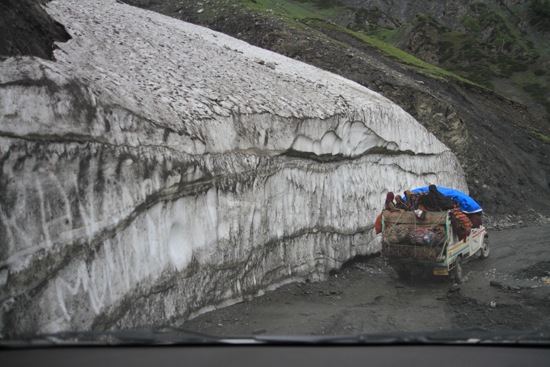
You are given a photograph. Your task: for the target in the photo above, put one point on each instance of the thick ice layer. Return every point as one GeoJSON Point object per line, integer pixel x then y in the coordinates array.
{"type": "Point", "coordinates": [157, 169]}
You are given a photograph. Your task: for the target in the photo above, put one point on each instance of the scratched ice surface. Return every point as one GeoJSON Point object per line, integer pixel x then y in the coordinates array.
{"type": "Point", "coordinates": [156, 169]}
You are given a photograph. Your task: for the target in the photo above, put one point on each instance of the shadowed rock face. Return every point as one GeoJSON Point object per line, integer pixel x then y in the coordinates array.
{"type": "Point", "coordinates": [27, 29]}
{"type": "Point", "coordinates": [157, 169]}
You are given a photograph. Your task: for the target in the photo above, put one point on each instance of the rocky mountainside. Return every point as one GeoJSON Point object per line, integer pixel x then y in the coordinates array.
{"type": "Point", "coordinates": [154, 169]}
{"type": "Point", "coordinates": [501, 144]}
{"type": "Point", "coordinates": [503, 45]}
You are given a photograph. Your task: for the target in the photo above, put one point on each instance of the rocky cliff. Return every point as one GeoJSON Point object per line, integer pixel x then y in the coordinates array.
{"type": "Point", "coordinates": [157, 169]}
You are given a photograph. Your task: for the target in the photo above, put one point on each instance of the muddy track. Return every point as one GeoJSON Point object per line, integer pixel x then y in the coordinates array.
{"type": "Point", "coordinates": [508, 291]}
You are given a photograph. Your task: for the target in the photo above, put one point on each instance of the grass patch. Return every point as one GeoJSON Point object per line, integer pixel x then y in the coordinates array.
{"type": "Point", "coordinates": [542, 137]}
{"type": "Point", "coordinates": [471, 24]}
{"type": "Point", "coordinates": [390, 52]}
{"type": "Point", "coordinates": [391, 36]}
{"type": "Point", "coordinates": [461, 56]}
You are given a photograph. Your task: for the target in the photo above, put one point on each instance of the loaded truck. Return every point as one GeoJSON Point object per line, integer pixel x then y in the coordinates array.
{"type": "Point", "coordinates": [411, 244]}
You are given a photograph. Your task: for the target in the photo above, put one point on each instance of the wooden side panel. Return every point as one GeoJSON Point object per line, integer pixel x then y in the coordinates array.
{"type": "Point", "coordinates": [410, 218]}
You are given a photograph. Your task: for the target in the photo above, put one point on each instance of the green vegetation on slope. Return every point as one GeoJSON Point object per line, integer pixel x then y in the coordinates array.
{"type": "Point", "coordinates": [316, 14]}
{"type": "Point", "coordinates": [390, 52]}
{"type": "Point", "coordinates": [540, 10]}
{"type": "Point", "coordinates": [492, 52]}
{"type": "Point", "coordinates": [491, 49]}
{"type": "Point", "coordinates": [299, 9]}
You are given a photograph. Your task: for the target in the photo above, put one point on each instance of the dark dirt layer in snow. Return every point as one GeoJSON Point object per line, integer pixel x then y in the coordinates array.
{"type": "Point", "coordinates": [507, 168]}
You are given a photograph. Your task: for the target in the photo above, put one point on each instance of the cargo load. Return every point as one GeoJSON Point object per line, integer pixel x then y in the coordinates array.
{"type": "Point", "coordinates": [433, 232]}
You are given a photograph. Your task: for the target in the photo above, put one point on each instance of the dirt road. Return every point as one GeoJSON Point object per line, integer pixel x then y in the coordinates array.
{"type": "Point", "coordinates": [507, 291]}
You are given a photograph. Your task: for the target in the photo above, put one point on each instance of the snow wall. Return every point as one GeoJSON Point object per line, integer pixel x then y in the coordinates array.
{"type": "Point", "coordinates": [158, 169]}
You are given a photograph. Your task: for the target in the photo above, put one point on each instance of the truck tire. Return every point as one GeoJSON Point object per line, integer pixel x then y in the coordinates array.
{"type": "Point", "coordinates": [456, 274]}
{"type": "Point", "coordinates": [485, 249]}
{"type": "Point", "coordinates": [403, 273]}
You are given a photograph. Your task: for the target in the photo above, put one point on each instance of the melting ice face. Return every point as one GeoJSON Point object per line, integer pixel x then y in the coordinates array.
{"type": "Point", "coordinates": [355, 139]}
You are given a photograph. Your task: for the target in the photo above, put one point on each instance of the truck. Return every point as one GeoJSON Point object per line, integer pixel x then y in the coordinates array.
{"type": "Point", "coordinates": [434, 246]}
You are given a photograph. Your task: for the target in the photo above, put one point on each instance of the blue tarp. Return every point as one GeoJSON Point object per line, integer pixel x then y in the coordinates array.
{"type": "Point", "coordinates": [467, 204]}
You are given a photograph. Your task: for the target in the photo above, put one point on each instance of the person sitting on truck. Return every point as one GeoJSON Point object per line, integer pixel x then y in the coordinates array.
{"type": "Point", "coordinates": [389, 205]}
{"type": "Point", "coordinates": [435, 201]}
{"type": "Point", "coordinates": [468, 205]}
{"type": "Point", "coordinates": [400, 204]}
{"type": "Point", "coordinates": [409, 199]}
{"type": "Point", "coordinates": [475, 218]}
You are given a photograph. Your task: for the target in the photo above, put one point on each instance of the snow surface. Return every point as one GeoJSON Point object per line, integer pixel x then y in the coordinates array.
{"type": "Point", "coordinates": [157, 169]}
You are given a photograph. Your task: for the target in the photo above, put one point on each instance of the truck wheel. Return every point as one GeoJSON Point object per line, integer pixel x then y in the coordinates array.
{"type": "Point", "coordinates": [456, 273]}
{"type": "Point", "coordinates": [484, 251]}
{"type": "Point", "coordinates": [403, 273]}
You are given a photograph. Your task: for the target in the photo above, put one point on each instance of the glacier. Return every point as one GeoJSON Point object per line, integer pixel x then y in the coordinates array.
{"type": "Point", "coordinates": [157, 169]}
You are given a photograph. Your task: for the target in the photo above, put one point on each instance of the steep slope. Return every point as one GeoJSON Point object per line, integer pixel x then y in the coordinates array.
{"type": "Point", "coordinates": [158, 168]}
{"type": "Point", "coordinates": [502, 45]}
{"type": "Point", "coordinates": [506, 165]}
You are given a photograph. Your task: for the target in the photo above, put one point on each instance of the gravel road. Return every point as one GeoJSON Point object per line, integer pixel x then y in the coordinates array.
{"type": "Point", "coordinates": [508, 291]}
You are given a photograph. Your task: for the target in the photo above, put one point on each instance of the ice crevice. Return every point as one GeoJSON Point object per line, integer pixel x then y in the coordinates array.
{"type": "Point", "coordinates": [141, 184]}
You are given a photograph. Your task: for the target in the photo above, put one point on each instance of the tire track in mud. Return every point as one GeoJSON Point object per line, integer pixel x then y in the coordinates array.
{"type": "Point", "coordinates": [364, 296]}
